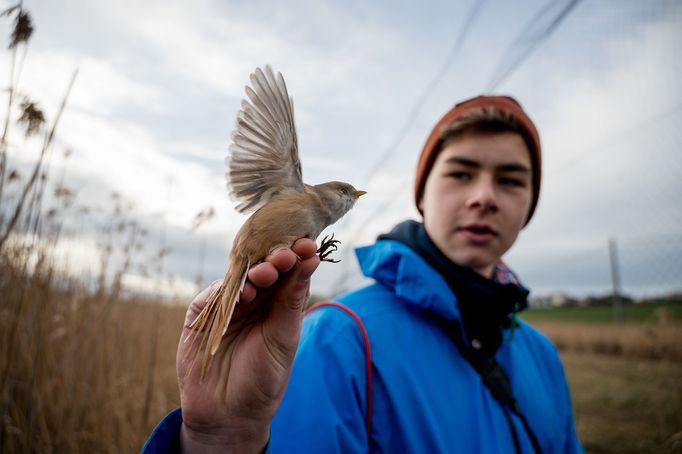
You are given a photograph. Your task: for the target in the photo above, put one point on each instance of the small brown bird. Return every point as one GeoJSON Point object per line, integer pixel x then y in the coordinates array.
{"type": "Point", "coordinates": [264, 174]}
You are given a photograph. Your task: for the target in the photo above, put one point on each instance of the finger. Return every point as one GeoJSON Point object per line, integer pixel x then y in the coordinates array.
{"type": "Point", "coordinates": [291, 294]}
{"type": "Point", "coordinates": [263, 275]}
{"type": "Point", "coordinates": [282, 259]}
{"type": "Point", "coordinates": [304, 248]}
{"type": "Point", "coordinates": [248, 294]}
{"type": "Point", "coordinates": [283, 325]}
{"type": "Point", "coordinates": [266, 274]}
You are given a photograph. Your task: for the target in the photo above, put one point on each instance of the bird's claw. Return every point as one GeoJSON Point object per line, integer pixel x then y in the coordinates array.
{"type": "Point", "coordinates": [327, 246]}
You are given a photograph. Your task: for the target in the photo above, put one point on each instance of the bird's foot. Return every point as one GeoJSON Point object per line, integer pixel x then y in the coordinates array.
{"type": "Point", "coordinates": [328, 246]}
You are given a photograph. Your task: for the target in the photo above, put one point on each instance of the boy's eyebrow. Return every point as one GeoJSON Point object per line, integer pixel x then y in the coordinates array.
{"type": "Point", "coordinates": [463, 161]}
{"type": "Point", "coordinates": [507, 167]}
{"type": "Point", "coordinates": [513, 167]}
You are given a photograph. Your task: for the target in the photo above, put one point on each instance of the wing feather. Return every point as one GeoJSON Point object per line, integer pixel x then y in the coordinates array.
{"type": "Point", "coordinates": [263, 157]}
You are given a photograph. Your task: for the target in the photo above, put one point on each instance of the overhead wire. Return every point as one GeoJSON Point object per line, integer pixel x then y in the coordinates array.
{"type": "Point", "coordinates": [534, 33]}
{"type": "Point", "coordinates": [527, 33]}
{"type": "Point", "coordinates": [503, 71]}
{"type": "Point", "coordinates": [421, 99]}
{"type": "Point", "coordinates": [411, 117]}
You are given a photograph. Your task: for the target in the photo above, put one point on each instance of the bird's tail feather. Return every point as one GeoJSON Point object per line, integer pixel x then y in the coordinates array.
{"type": "Point", "coordinates": [212, 322]}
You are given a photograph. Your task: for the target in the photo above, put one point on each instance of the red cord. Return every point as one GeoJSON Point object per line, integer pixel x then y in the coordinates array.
{"type": "Point", "coordinates": [368, 352]}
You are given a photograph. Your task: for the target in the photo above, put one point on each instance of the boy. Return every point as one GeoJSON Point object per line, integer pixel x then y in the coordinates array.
{"type": "Point", "coordinates": [429, 358]}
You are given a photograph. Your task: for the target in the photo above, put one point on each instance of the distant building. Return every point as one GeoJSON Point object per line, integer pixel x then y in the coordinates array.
{"type": "Point", "coordinates": [556, 299]}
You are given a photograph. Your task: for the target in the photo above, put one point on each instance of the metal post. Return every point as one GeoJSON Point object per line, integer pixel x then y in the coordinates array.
{"type": "Point", "coordinates": [615, 278]}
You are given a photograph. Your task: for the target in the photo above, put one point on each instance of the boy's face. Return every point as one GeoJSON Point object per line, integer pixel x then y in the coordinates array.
{"type": "Point", "coordinates": [476, 198]}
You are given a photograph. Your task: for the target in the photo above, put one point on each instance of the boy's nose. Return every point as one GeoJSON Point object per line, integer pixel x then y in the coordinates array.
{"type": "Point", "coordinates": [483, 196]}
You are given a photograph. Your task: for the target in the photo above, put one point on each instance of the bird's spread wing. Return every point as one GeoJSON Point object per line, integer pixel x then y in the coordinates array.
{"type": "Point", "coordinates": [263, 159]}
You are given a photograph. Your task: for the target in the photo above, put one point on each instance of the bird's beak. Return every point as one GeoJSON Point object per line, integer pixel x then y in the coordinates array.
{"type": "Point", "coordinates": [359, 193]}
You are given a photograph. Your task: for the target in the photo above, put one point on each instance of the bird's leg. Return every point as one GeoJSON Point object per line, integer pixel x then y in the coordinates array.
{"type": "Point", "coordinates": [327, 246]}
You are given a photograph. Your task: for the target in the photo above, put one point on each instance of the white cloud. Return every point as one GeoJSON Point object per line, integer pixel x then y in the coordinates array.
{"type": "Point", "coordinates": [126, 159]}
{"type": "Point", "coordinates": [610, 165]}
{"type": "Point", "coordinates": [100, 86]}
{"type": "Point", "coordinates": [146, 79]}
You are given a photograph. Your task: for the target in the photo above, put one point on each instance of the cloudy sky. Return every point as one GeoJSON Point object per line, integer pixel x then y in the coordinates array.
{"type": "Point", "coordinates": [159, 84]}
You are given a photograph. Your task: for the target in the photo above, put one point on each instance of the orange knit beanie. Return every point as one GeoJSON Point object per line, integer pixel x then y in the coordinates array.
{"type": "Point", "coordinates": [507, 104]}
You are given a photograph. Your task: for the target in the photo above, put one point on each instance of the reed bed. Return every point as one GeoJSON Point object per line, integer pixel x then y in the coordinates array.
{"type": "Point", "coordinates": [84, 366]}
{"type": "Point", "coordinates": [81, 372]}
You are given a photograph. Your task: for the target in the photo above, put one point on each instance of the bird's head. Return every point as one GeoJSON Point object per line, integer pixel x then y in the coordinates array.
{"type": "Point", "coordinates": [339, 197]}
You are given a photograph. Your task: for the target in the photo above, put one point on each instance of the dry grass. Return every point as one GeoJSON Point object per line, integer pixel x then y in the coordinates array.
{"type": "Point", "coordinates": [84, 373]}
{"type": "Point", "coordinates": [626, 383]}
{"type": "Point", "coordinates": [81, 369]}
{"type": "Point", "coordinates": [662, 341]}
{"type": "Point", "coordinates": [81, 373]}
{"type": "Point", "coordinates": [625, 406]}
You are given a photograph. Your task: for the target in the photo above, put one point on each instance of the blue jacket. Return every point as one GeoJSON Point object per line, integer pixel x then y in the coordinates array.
{"type": "Point", "coordinates": [426, 397]}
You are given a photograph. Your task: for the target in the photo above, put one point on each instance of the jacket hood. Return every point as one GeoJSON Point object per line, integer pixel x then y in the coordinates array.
{"type": "Point", "coordinates": [399, 268]}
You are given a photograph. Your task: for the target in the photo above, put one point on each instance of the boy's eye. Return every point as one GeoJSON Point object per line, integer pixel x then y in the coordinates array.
{"type": "Point", "coordinates": [506, 181]}
{"type": "Point", "coordinates": [460, 175]}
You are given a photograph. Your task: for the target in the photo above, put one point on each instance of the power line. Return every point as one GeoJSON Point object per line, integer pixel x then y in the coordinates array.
{"type": "Point", "coordinates": [414, 112]}
{"type": "Point", "coordinates": [345, 274]}
{"type": "Point", "coordinates": [411, 117]}
{"type": "Point", "coordinates": [528, 32]}
{"type": "Point", "coordinates": [511, 60]}
{"type": "Point", "coordinates": [503, 72]}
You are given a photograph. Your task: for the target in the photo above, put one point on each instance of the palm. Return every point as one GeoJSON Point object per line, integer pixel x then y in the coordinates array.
{"type": "Point", "coordinates": [252, 365]}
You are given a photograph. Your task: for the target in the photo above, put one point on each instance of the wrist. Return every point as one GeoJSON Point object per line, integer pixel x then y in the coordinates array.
{"type": "Point", "coordinates": [247, 440]}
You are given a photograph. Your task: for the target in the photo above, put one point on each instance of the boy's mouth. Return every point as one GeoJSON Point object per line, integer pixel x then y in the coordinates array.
{"type": "Point", "coordinates": [478, 233]}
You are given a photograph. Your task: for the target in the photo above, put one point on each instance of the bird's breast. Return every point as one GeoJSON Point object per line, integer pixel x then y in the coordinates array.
{"type": "Point", "coordinates": [279, 222]}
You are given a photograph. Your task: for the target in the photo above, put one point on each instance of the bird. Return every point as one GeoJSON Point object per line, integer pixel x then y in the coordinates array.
{"type": "Point", "coordinates": [264, 176]}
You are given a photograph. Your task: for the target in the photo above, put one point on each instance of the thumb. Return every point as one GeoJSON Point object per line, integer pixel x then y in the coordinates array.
{"type": "Point", "coordinates": [198, 303]}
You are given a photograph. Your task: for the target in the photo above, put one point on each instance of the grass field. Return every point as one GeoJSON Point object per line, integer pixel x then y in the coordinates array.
{"type": "Point", "coordinates": [625, 378]}
{"type": "Point", "coordinates": [85, 373]}
{"type": "Point", "coordinates": [645, 312]}
{"type": "Point", "coordinates": [624, 405]}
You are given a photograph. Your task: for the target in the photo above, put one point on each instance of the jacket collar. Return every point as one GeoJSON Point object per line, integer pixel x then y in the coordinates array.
{"type": "Point", "coordinates": [407, 261]}
{"type": "Point", "coordinates": [399, 268]}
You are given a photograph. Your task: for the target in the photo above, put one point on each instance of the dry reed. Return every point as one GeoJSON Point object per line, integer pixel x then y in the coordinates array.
{"type": "Point", "coordinates": [81, 369]}
{"type": "Point", "coordinates": [77, 371]}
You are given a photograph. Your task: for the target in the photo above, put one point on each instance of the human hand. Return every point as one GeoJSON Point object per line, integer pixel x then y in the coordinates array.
{"type": "Point", "coordinates": [231, 408]}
